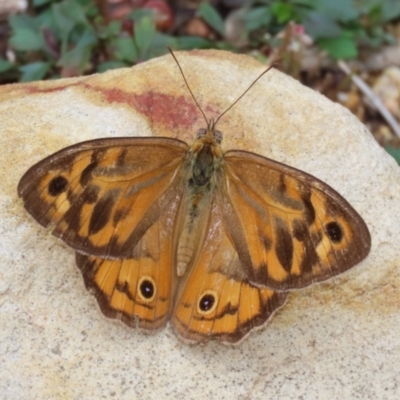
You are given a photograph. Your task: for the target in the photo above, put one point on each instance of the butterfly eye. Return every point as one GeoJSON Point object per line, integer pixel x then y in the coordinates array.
{"type": "Point", "coordinates": [218, 136]}
{"type": "Point", "coordinates": [57, 185]}
{"type": "Point", "coordinates": [147, 289]}
{"type": "Point", "coordinates": [207, 303]}
{"type": "Point", "coordinates": [200, 133]}
{"type": "Point", "coordinates": [334, 231]}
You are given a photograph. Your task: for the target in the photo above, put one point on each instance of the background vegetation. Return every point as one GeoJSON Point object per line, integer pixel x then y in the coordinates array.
{"type": "Point", "coordinates": [74, 37]}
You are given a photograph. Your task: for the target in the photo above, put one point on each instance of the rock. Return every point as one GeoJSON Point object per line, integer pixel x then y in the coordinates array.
{"type": "Point", "coordinates": [332, 340]}
{"type": "Point", "coordinates": [8, 7]}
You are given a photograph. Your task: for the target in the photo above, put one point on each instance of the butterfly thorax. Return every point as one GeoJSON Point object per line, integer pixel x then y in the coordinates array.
{"type": "Point", "coordinates": [204, 157]}
{"type": "Point", "coordinates": [202, 172]}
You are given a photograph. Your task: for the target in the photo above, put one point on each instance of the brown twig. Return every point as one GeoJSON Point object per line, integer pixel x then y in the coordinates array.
{"type": "Point", "coordinates": [372, 97]}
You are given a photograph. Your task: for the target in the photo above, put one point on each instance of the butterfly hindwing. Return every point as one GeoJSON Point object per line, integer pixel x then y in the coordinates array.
{"type": "Point", "coordinates": [138, 290]}
{"type": "Point", "coordinates": [101, 196]}
{"type": "Point", "coordinates": [216, 299]}
{"type": "Point", "coordinates": [289, 228]}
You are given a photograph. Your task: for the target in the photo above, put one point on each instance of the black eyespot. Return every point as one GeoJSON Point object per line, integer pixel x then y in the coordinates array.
{"type": "Point", "coordinates": [57, 185]}
{"type": "Point", "coordinates": [147, 289]}
{"type": "Point", "coordinates": [207, 302]}
{"type": "Point", "coordinates": [334, 231]}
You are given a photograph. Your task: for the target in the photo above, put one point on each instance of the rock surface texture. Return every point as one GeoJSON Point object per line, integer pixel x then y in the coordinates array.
{"type": "Point", "coordinates": [333, 340]}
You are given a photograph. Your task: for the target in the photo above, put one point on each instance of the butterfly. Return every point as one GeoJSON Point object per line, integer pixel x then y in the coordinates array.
{"type": "Point", "coordinates": [211, 241]}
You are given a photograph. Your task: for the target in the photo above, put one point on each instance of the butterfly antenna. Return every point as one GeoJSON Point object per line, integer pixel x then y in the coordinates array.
{"type": "Point", "coordinates": [187, 85]}
{"type": "Point", "coordinates": [254, 82]}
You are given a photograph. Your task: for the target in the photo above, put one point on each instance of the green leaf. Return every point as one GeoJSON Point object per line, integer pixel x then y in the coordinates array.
{"type": "Point", "coordinates": [256, 18]}
{"type": "Point", "coordinates": [113, 28]}
{"type": "Point", "coordinates": [72, 11]}
{"type": "Point", "coordinates": [105, 66]}
{"type": "Point", "coordinates": [394, 152]}
{"type": "Point", "coordinates": [125, 49]}
{"type": "Point", "coordinates": [222, 45]}
{"type": "Point", "coordinates": [374, 15]}
{"type": "Point", "coordinates": [365, 6]}
{"type": "Point", "coordinates": [67, 15]}
{"type": "Point", "coordinates": [5, 65]}
{"type": "Point", "coordinates": [26, 40]}
{"type": "Point", "coordinates": [192, 42]}
{"type": "Point", "coordinates": [87, 37]}
{"type": "Point", "coordinates": [141, 13]}
{"type": "Point", "coordinates": [39, 3]}
{"type": "Point", "coordinates": [342, 47]}
{"type": "Point", "coordinates": [62, 21]}
{"type": "Point", "coordinates": [160, 43]}
{"type": "Point", "coordinates": [212, 18]}
{"type": "Point", "coordinates": [45, 20]}
{"type": "Point", "coordinates": [310, 4]}
{"type": "Point", "coordinates": [319, 25]}
{"type": "Point", "coordinates": [34, 71]}
{"type": "Point", "coordinates": [283, 12]}
{"type": "Point", "coordinates": [90, 8]}
{"type": "Point", "coordinates": [23, 21]}
{"type": "Point", "coordinates": [337, 10]}
{"type": "Point", "coordinates": [76, 59]}
{"type": "Point", "coordinates": [390, 10]}
{"type": "Point", "coordinates": [145, 30]}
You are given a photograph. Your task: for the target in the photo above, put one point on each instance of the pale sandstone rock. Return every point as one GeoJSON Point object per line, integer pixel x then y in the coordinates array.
{"type": "Point", "coordinates": [334, 340]}
{"type": "Point", "coordinates": [8, 7]}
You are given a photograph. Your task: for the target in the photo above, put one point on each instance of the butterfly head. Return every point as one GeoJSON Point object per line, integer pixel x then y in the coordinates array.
{"type": "Point", "coordinates": [210, 135]}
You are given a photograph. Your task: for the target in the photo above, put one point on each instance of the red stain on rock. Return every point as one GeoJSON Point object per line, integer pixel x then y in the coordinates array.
{"type": "Point", "coordinates": [115, 95]}
{"type": "Point", "coordinates": [171, 111]}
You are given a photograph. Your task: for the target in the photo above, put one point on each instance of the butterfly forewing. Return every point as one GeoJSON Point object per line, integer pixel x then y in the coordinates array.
{"type": "Point", "coordinates": [102, 196]}
{"type": "Point", "coordinates": [289, 228]}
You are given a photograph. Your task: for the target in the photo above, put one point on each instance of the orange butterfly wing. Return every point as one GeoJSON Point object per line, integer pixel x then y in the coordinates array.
{"type": "Point", "coordinates": [116, 201]}
{"type": "Point", "coordinates": [101, 196]}
{"type": "Point", "coordinates": [289, 228]}
{"type": "Point", "coordinates": [139, 290]}
{"type": "Point", "coordinates": [216, 299]}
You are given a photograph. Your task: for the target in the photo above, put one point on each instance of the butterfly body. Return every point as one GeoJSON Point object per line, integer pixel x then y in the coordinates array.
{"type": "Point", "coordinates": [202, 174]}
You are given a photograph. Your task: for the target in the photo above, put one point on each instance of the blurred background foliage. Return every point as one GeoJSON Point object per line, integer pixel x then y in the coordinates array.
{"type": "Point", "coordinates": [74, 37]}
{"type": "Point", "coordinates": [57, 39]}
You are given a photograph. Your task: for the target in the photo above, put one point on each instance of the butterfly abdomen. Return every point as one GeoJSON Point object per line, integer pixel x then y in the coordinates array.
{"type": "Point", "coordinates": [195, 211]}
